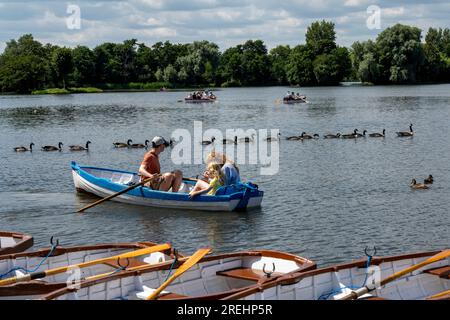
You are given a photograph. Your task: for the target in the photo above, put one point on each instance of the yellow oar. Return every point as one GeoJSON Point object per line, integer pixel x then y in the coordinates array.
{"type": "Point", "coordinates": [439, 295]}
{"type": "Point", "coordinates": [359, 292]}
{"type": "Point", "coordinates": [43, 274]}
{"type": "Point", "coordinates": [182, 269]}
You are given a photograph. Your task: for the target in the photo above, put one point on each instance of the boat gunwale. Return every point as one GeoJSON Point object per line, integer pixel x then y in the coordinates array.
{"type": "Point", "coordinates": [305, 263]}
{"type": "Point", "coordinates": [25, 242]}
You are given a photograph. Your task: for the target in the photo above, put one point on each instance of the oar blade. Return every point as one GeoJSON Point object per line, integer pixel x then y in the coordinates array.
{"type": "Point", "coordinates": [189, 263]}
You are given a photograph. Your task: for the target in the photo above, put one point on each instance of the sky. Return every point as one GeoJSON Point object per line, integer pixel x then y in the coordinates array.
{"type": "Point", "coordinates": [226, 23]}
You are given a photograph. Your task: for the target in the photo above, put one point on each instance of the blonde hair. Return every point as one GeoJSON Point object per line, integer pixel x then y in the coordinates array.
{"type": "Point", "coordinates": [219, 158]}
{"type": "Point", "coordinates": [214, 169]}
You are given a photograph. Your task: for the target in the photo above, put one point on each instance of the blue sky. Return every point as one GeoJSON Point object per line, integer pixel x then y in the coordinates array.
{"type": "Point", "coordinates": [226, 23]}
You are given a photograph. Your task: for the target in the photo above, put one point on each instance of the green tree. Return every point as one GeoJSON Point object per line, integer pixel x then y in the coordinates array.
{"type": "Point", "coordinates": [321, 37]}
{"type": "Point", "coordinates": [299, 69]}
{"type": "Point", "coordinates": [83, 66]}
{"type": "Point", "coordinates": [279, 58]}
{"type": "Point", "coordinates": [24, 65]}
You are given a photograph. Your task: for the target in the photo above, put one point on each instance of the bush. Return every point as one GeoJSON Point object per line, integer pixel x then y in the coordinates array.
{"type": "Point", "coordinates": [51, 91]}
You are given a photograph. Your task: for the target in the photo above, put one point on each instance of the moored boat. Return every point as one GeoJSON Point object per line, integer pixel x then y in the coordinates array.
{"type": "Point", "coordinates": [105, 182]}
{"type": "Point", "coordinates": [55, 257]}
{"type": "Point", "coordinates": [212, 277]}
{"type": "Point", "coordinates": [338, 281]}
{"type": "Point", "coordinates": [13, 242]}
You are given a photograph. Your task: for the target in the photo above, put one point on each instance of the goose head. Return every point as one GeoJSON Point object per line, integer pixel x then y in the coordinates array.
{"type": "Point", "coordinates": [413, 182]}
{"type": "Point", "coordinates": [410, 127]}
{"type": "Point", "coordinates": [147, 142]}
{"type": "Point", "coordinates": [60, 144]}
{"type": "Point", "coordinates": [129, 142]}
{"type": "Point", "coordinates": [87, 144]}
{"type": "Point", "coordinates": [364, 132]}
{"type": "Point", "coordinates": [31, 146]}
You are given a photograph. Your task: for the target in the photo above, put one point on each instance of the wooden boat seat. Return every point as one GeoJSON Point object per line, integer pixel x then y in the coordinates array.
{"type": "Point", "coordinates": [245, 274]}
{"type": "Point", "coordinates": [133, 263]}
{"type": "Point", "coordinates": [441, 272]}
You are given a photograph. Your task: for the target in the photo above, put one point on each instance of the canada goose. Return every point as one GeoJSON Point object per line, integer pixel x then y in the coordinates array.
{"type": "Point", "coordinates": [416, 185]}
{"type": "Point", "coordinates": [80, 148]}
{"type": "Point", "coordinates": [409, 133]}
{"type": "Point", "coordinates": [23, 149]}
{"type": "Point", "coordinates": [350, 135]}
{"type": "Point", "coordinates": [429, 180]}
{"type": "Point", "coordinates": [225, 141]}
{"type": "Point", "coordinates": [272, 139]}
{"type": "Point", "coordinates": [294, 138]}
{"type": "Point", "coordinates": [363, 135]}
{"type": "Point", "coordinates": [52, 148]}
{"type": "Point", "coordinates": [332, 136]}
{"type": "Point", "coordinates": [207, 142]}
{"type": "Point", "coordinates": [248, 139]}
{"type": "Point", "coordinates": [140, 145]}
{"type": "Point", "coordinates": [378, 135]}
{"type": "Point", "coordinates": [122, 145]}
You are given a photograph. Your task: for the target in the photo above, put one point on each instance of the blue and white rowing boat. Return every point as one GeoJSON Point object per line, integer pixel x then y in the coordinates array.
{"type": "Point", "coordinates": [105, 182]}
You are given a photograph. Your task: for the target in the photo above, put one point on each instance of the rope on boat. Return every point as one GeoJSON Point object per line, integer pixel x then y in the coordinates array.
{"type": "Point", "coordinates": [172, 265]}
{"type": "Point", "coordinates": [325, 296]}
{"type": "Point", "coordinates": [37, 266]}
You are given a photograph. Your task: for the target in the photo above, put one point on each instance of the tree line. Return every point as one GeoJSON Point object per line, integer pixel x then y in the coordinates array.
{"type": "Point", "coordinates": [396, 56]}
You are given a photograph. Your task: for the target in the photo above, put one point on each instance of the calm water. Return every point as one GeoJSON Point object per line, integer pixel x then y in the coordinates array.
{"type": "Point", "coordinates": [330, 199]}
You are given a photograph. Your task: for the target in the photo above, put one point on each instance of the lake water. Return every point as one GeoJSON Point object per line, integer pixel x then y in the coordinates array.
{"type": "Point", "coordinates": [329, 200]}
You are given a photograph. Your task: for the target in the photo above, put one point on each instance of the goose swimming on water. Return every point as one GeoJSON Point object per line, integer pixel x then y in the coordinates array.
{"type": "Point", "coordinates": [429, 180]}
{"type": "Point", "coordinates": [123, 145]}
{"type": "Point", "coordinates": [80, 148]}
{"type": "Point", "coordinates": [409, 133]}
{"type": "Point", "coordinates": [140, 145]}
{"type": "Point", "coordinates": [23, 149]}
{"type": "Point", "coordinates": [53, 148]}
{"type": "Point", "coordinates": [272, 139]}
{"type": "Point", "coordinates": [350, 135]}
{"type": "Point", "coordinates": [248, 139]}
{"type": "Point", "coordinates": [332, 136]}
{"type": "Point", "coordinates": [225, 141]}
{"type": "Point", "coordinates": [378, 135]}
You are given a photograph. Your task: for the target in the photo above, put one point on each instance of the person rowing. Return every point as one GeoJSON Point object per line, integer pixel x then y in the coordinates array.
{"type": "Point", "coordinates": [151, 168]}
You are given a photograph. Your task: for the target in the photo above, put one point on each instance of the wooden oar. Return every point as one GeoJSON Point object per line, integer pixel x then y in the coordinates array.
{"type": "Point", "coordinates": [115, 195]}
{"type": "Point", "coordinates": [439, 295]}
{"type": "Point", "coordinates": [182, 269]}
{"type": "Point", "coordinates": [359, 292]}
{"type": "Point", "coordinates": [43, 274]}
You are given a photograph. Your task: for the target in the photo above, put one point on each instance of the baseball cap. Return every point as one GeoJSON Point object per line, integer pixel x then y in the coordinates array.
{"type": "Point", "coordinates": [157, 141]}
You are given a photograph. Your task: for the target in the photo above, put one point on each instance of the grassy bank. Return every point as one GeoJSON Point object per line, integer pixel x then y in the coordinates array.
{"type": "Point", "coordinates": [67, 90]}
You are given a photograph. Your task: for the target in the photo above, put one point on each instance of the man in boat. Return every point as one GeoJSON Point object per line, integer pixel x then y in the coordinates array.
{"type": "Point", "coordinates": [150, 168]}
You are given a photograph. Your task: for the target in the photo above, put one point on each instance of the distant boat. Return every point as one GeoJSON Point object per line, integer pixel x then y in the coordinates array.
{"type": "Point", "coordinates": [105, 182]}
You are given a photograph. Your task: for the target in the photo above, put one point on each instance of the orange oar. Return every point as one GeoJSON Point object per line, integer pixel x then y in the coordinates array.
{"type": "Point", "coordinates": [440, 295]}
{"type": "Point", "coordinates": [196, 257]}
{"type": "Point", "coordinates": [43, 274]}
{"type": "Point", "coordinates": [361, 291]}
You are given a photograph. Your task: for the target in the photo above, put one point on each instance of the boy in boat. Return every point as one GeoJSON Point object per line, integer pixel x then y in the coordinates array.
{"type": "Point", "coordinates": [150, 168]}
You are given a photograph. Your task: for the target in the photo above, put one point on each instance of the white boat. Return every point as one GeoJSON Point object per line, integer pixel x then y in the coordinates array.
{"type": "Point", "coordinates": [13, 242]}
{"type": "Point", "coordinates": [105, 182]}
{"type": "Point", "coordinates": [212, 278]}
{"type": "Point", "coordinates": [36, 261]}
{"type": "Point", "coordinates": [334, 282]}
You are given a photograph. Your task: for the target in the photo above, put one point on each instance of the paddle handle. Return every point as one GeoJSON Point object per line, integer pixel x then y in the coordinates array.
{"type": "Point", "coordinates": [114, 195]}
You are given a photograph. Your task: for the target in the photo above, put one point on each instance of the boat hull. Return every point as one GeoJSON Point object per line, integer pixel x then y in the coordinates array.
{"type": "Point", "coordinates": [105, 182]}
{"type": "Point", "coordinates": [212, 277]}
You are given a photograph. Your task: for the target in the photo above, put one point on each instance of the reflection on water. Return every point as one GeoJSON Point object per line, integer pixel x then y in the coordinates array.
{"type": "Point", "coordinates": [330, 199]}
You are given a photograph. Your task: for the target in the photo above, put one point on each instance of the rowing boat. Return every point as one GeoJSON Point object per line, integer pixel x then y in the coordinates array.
{"type": "Point", "coordinates": [191, 100]}
{"type": "Point", "coordinates": [105, 182]}
{"type": "Point", "coordinates": [45, 259]}
{"type": "Point", "coordinates": [292, 101]}
{"type": "Point", "coordinates": [212, 277]}
{"type": "Point", "coordinates": [334, 282]}
{"type": "Point", "coordinates": [13, 242]}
